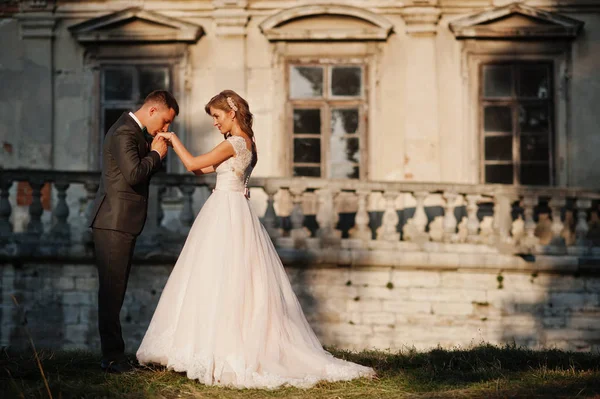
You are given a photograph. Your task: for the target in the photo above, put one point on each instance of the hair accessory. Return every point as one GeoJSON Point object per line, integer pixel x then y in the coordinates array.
{"type": "Point", "coordinates": [231, 104]}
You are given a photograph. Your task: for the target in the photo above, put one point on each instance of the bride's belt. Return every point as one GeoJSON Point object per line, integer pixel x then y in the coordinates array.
{"type": "Point", "coordinates": [230, 187]}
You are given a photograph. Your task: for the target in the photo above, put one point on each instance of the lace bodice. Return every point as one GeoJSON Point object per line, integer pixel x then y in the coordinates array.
{"type": "Point", "coordinates": [233, 174]}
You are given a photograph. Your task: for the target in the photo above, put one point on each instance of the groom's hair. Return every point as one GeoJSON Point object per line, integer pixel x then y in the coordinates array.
{"type": "Point", "coordinates": [163, 97]}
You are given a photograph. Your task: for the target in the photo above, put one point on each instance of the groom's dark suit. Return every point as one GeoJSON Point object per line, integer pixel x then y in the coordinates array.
{"type": "Point", "coordinates": [118, 218]}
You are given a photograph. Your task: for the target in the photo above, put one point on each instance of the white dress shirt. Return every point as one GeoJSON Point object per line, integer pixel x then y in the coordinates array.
{"type": "Point", "coordinates": [136, 120]}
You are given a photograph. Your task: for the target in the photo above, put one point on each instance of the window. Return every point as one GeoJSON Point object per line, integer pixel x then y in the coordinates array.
{"type": "Point", "coordinates": [516, 123]}
{"type": "Point", "coordinates": [124, 88]}
{"type": "Point", "coordinates": [327, 120]}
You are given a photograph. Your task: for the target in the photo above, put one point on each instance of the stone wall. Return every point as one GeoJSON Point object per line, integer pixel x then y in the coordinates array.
{"type": "Point", "coordinates": [354, 308]}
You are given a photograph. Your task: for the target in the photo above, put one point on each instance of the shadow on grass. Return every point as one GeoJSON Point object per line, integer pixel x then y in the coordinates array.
{"type": "Point", "coordinates": [490, 367]}
{"type": "Point", "coordinates": [483, 371]}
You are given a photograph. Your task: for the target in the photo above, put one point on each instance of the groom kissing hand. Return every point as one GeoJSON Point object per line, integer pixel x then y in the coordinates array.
{"type": "Point", "coordinates": [120, 209]}
{"type": "Point", "coordinates": [159, 144]}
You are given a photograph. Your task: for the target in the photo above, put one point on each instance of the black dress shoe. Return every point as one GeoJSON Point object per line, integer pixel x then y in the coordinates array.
{"type": "Point", "coordinates": [117, 367]}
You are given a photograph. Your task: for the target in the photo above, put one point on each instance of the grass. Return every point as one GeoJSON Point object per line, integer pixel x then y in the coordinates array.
{"type": "Point", "coordinates": [484, 371]}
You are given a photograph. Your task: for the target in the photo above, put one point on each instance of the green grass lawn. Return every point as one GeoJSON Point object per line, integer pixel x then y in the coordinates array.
{"type": "Point", "coordinates": [484, 372]}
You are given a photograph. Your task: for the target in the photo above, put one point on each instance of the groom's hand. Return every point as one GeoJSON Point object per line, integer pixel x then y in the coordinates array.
{"type": "Point", "coordinates": [169, 136]}
{"type": "Point", "coordinates": [159, 145]}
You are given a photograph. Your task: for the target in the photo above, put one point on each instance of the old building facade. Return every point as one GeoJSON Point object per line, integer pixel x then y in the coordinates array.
{"type": "Point", "coordinates": [439, 91]}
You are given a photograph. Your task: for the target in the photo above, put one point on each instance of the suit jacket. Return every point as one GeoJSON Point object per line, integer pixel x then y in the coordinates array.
{"type": "Point", "coordinates": [127, 165]}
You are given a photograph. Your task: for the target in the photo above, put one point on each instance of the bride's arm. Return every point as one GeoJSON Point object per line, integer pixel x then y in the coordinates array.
{"type": "Point", "coordinates": [205, 171]}
{"type": "Point", "coordinates": [202, 163]}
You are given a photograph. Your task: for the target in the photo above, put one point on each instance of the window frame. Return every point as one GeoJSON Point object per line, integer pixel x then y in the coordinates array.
{"type": "Point", "coordinates": [555, 52]}
{"type": "Point", "coordinates": [326, 103]}
{"type": "Point", "coordinates": [131, 63]}
{"type": "Point", "coordinates": [131, 104]}
{"type": "Point", "coordinates": [514, 101]}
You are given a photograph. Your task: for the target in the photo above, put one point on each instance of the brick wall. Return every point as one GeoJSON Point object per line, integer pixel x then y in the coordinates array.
{"type": "Point", "coordinates": [378, 307]}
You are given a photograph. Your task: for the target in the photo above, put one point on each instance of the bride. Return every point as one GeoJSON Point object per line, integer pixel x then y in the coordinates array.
{"type": "Point", "coordinates": [228, 315]}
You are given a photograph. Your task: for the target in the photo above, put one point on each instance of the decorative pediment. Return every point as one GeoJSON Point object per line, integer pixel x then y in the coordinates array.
{"type": "Point", "coordinates": [325, 22]}
{"type": "Point", "coordinates": [515, 21]}
{"type": "Point", "coordinates": [136, 25]}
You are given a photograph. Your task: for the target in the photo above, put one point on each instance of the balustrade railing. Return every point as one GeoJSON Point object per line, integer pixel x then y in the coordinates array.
{"type": "Point", "coordinates": [306, 214]}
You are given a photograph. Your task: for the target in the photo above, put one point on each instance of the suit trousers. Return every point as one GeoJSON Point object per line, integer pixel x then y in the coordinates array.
{"type": "Point", "coordinates": [114, 252]}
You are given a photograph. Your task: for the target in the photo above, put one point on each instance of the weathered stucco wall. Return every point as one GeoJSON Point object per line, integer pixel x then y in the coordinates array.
{"type": "Point", "coordinates": [74, 91]}
{"type": "Point", "coordinates": [418, 128]}
{"type": "Point", "coordinates": [26, 99]}
{"type": "Point", "coordinates": [585, 122]}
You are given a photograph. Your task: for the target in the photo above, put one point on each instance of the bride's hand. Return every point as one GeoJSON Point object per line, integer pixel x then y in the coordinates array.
{"type": "Point", "coordinates": [169, 137]}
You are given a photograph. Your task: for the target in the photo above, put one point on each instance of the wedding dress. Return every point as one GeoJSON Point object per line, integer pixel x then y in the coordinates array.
{"type": "Point", "coordinates": [228, 315]}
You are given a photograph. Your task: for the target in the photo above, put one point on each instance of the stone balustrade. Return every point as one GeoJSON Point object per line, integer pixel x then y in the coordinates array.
{"type": "Point", "coordinates": [384, 265]}
{"type": "Point", "coordinates": [331, 221]}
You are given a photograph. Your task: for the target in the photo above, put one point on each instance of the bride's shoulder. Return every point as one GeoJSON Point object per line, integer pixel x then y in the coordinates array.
{"type": "Point", "coordinates": [238, 143]}
{"type": "Point", "coordinates": [234, 139]}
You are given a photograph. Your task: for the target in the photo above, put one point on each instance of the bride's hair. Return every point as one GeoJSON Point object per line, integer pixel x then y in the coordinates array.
{"type": "Point", "coordinates": [229, 100]}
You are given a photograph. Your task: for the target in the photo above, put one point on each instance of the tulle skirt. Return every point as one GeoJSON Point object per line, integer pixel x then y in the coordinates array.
{"type": "Point", "coordinates": [228, 315]}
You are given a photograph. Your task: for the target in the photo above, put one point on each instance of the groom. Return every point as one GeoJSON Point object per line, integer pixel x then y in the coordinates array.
{"type": "Point", "coordinates": [128, 162]}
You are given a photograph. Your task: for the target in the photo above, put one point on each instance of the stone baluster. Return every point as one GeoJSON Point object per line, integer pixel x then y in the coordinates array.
{"type": "Point", "coordinates": [420, 217]}
{"type": "Point", "coordinates": [388, 229]}
{"type": "Point", "coordinates": [414, 229]}
{"type": "Point", "coordinates": [450, 221]}
{"type": "Point", "coordinates": [327, 217]}
{"type": "Point", "coordinates": [91, 187]}
{"type": "Point", "coordinates": [472, 219]}
{"type": "Point", "coordinates": [361, 228]}
{"type": "Point", "coordinates": [36, 210]}
{"type": "Point", "coordinates": [61, 229]}
{"type": "Point", "coordinates": [556, 204]}
{"type": "Point", "coordinates": [502, 218]}
{"type": "Point", "coordinates": [299, 233]}
{"type": "Point", "coordinates": [529, 204]}
{"type": "Point", "coordinates": [270, 218]}
{"type": "Point", "coordinates": [6, 227]}
{"type": "Point", "coordinates": [582, 227]}
{"type": "Point", "coordinates": [186, 217]}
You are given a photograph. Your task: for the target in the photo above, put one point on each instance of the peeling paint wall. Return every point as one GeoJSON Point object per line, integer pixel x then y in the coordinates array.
{"type": "Point", "coordinates": [419, 118]}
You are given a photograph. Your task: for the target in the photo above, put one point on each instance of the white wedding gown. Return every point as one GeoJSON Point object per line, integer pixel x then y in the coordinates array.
{"type": "Point", "coordinates": [228, 315]}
